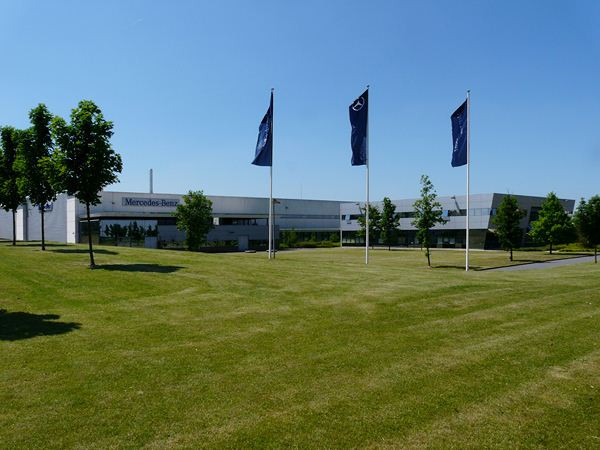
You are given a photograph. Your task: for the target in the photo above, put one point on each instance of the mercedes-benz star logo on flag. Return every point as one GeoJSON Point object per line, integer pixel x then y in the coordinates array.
{"type": "Point", "coordinates": [358, 104]}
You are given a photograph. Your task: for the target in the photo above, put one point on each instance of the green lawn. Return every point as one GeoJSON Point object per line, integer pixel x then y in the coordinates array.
{"type": "Point", "coordinates": [173, 349]}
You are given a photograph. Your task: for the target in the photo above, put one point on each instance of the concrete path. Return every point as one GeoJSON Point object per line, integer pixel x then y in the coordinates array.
{"type": "Point", "coordinates": [548, 264]}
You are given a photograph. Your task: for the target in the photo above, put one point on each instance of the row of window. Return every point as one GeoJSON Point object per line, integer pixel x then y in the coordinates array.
{"type": "Point", "coordinates": [308, 216]}
{"type": "Point", "coordinates": [445, 213]}
{"type": "Point", "coordinates": [252, 221]}
{"type": "Point", "coordinates": [234, 221]}
{"type": "Point", "coordinates": [439, 239]}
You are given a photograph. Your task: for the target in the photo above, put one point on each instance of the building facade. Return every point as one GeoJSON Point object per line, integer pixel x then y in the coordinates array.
{"type": "Point", "coordinates": [129, 218]}
{"type": "Point", "coordinates": [452, 234]}
{"type": "Point", "coordinates": [240, 222]}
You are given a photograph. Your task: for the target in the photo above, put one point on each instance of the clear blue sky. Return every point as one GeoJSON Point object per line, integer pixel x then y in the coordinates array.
{"type": "Point", "coordinates": [187, 83]}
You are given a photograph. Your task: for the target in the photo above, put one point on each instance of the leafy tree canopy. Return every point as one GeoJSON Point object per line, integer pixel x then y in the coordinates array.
{"type": "Point", "coordinates": [554, 226]}
{"type": "Point", "coordinates": [587, 223]}
{"type": "Point", "coordinates": [11, 196]}
{"type": "Point", "coordinates": [389, 223]}
{"type": "Point", "coordinates": [428, 213]}
{"type": "Point", "coordinates": [374, 223]}
{"type": "Point", "coordinates": [85, 162]}
{"type": "Point", "coordinates": [35, 148]}
{"type": "Point", "coordinates": [194, 217]}
{"type": "Point", "coordinates": [507, 219]}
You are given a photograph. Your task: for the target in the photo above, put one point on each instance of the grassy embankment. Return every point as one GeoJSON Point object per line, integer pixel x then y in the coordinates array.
{"type": "Point", "coordinates": [166, 349]}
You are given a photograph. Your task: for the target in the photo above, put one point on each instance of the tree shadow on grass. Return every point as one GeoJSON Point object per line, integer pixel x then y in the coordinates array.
{"type": "Point", "coordinates": [522, 262]}
{"type": "Point", "coordinates": [515, 262]}
{"type": "Point", "coordinates": [153, 268]}
{"type": "Point", "coordinates": [458, 267]}
{"type": "Point", "coordinates": [100, 251]}
{"type": "Point", "coordinates": [22, 325]}
{"type": "Point", "coordinates": [32, 243]}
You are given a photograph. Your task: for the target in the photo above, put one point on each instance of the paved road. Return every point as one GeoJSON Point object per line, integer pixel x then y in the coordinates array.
{"type": "Point", "coordinates": [548, 264]}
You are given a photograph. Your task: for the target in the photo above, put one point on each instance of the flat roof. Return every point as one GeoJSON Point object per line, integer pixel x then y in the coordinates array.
{"type": "Point", "coordinates": [229, 196]}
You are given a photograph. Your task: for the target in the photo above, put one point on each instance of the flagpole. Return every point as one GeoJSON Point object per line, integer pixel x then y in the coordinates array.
{"type": "Point", "coordinates": [341, 232]}
{"type": "Point", "coordinates": [468, 175]}
{"type": "Point", "coordinates": [367, 183]}
{"type": "Point", "coordinates": [270, 208]}
{"type": "Point", "coordinates": [271, 184]}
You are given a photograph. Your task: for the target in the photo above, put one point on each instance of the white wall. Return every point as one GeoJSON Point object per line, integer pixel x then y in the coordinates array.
{"type": "Point", "coordinates": [72, 221]}
{"type": "Point", "coordinates": [21, 224]}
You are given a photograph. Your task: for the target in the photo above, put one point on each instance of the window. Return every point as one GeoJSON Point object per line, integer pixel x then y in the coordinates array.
{"type": "Point", "coordinates": [534, 214]}
{"type": "Point", "coordinates": [236, 221]}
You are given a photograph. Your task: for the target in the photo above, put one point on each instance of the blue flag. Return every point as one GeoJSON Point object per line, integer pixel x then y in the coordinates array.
{"type": "Point", "coordinates": [459, 135]}
{"type": "Point", "coordinates": [359, 118]}
{"type": "Point", "coordinates": [264, 144]}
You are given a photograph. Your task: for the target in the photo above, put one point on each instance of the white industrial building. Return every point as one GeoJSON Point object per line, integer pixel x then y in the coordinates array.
{"type": "Point", "coordinates": [483, 208]}
{"type": "Point", "coordinates": [241, 222]}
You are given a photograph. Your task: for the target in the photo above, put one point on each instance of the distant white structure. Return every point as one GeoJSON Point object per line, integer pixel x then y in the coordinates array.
{"type": "Point", "coordinates": [239, 221]}
{"type": "Point", "coordinates": [452, 234]}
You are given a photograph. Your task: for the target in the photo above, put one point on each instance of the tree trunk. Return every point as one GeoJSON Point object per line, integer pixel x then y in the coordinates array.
{"type": "Point", "coordinates": [428, 258]}
{"type": "Point", "coordinates": [14, 217]}
{"type": "Point", "coordinates": [511, 255]}
{"type": "Point", "coordinates": [43, 236]}
{"type": "Point", "coordinates": [89, 230]}
{"type": "Point", "coordinates": [389, 248]}
{"type": "Point", "coordinates": [550, 247]}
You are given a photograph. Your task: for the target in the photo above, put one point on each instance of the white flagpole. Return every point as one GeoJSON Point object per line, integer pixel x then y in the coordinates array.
{"type": "Point", "coordinates": [270, 210]}
{"type": "Point", "coordinates": [271, 186]}
{"type": "Point", "coordinates": [367, 182]}
{"type": "Point", "coordinates": [468, 174]}
{"type": "Point", "coordinates": [341, 232]}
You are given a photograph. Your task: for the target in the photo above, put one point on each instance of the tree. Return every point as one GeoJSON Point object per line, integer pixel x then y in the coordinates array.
{"type": "Point", "coordinates": [84, 161]}
{"type": "Point", "coordinates": [389, 223]}
{"type": "Point", "coordinates": [507, 220]}
{"type": "Point", "coordinates": [116, 232]}
{"type": "Point", "coordinates": [428, 213]}
{"type": "Point", "coordinates": [135, 231]}
{"type": "Point", "coordinates": [35, 149]}
{"type": "Point", "coordinates": [290, 238]}
{"type": "Point", "coordinates": [152, 232]}
{"type": "Point", "coordinates": [11, 196]}
{"type": "Point", "coordinates": [587, 223]}
{"type": "Point", "coordinates": [374, 224]}
{"type": "Point", "coordinates": [554, 225]}
{"type": "Point", "coordinates": [194, 217]}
